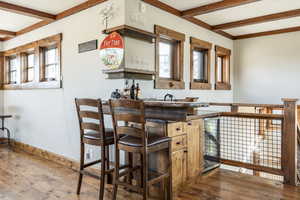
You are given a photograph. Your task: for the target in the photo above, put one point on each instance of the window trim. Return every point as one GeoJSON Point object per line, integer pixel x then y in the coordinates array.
{"type": "Point", "coordinates": [196, 44]}
{"type": "Point", "coordinates": [226, 54]}
{"type": "Point", "coordinates": [176, 82]}
{"type": "Point", "coordinates": [20, 52]}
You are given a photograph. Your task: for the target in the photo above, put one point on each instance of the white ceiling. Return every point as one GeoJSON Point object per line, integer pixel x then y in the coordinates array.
{"type": "Point", "coordinates": [187, 4]}
{"type": "Point", "coordinates": [260, 8]}
{"type": "Point", "coordinates": [50, 6]}
{"type": "Point", "coordinates": [14, 22]}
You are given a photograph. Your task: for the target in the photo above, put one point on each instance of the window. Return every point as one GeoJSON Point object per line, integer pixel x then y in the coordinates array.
{"type": "Point", "coordinates": [28, 66]}
{"type": "Point", "coordinates": [200, 64]}
{"type": "Point", "coordinates": [169, 59]}
{"type": "Point", "coordinates": [34, 65]}
{"type": "Point", "coordinates": [165, 59]}
{"type": "Point", "coordinates": [222, 73]}
{"type": "Point", "coordinates": [50, 63]}
{"type": "Point", "coordinates": [12, 69]}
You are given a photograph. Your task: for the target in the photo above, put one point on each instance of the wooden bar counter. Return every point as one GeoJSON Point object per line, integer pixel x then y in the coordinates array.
{"type": "Point", "coordinates": [178, 121]}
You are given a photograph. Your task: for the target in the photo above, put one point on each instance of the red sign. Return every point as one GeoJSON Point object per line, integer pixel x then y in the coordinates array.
{"type": "Point", "coordinates": [112, 51]}
{"type": "Point", "coordinates": [114, 40]}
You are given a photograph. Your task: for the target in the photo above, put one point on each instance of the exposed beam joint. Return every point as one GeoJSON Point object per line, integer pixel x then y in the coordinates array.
{"type": "Point", "coordinates": [66, 13]}
{"type": "Point", "coordinates": [174, 11]}
{"type": "Point", "coordinates": [7, 33]}
{"type": "Point", "coordinates": [26, 11]}
{"type": "Point", "coordinates": [261, 19]}
{"type": "Point", "coordinates": [215, 7]}
{"type": "Point", "coordinates": [266, 33]}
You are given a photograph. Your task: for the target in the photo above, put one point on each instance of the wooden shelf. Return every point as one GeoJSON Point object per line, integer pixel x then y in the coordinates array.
{"type": "Point", "coordinates": [128, 73]}
{"type": "Point", "coordinates": [130, 31]}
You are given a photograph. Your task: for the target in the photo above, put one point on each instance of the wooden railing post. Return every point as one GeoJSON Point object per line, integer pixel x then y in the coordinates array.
{"type": "Point", "coordinates": [289, 143]}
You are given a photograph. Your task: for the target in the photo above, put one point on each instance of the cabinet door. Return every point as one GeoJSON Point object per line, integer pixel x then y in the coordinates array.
{"type": "Point", "coordinates": [179, 169]}
{"type": "Point", "coordinates": [194, 147]}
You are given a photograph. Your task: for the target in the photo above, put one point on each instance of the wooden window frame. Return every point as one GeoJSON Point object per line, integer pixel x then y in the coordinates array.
{"type": "Point", "coordinates": [25, 67]}
{"type": "Point", "coordinates": [176, 82]}
{"type": "Point", "coordinates": [39, 81]}
{"type": "Point", "coordinates": [225, 54]}
{"type": "Point", "coordinates": [196, 44]}
{"type": "Point", "coordinates": [8, 70]}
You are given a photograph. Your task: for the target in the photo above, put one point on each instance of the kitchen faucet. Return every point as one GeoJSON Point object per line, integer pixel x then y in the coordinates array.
{"type": "Point", "coordinates": [168, 96]}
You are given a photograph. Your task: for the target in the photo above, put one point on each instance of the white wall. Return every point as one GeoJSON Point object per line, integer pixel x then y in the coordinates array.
{"type": "Point", "coordinates": [267, 68]}
{"type": "Point", "coordinates": [144, 51]}
{"type": "Point", "coordinates": [47, 118]}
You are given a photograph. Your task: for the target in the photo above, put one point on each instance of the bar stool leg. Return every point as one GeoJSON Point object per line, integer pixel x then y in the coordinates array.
{"type": "Point", "coordinates": [103, 168]}
{"type": "Point", "coordinates": [80, 168]}
{"type": "Point", "coordinates": [8, 135]}
{"type": "Point", "coordinates": [116, 173]}
{"type": "Point", "coordinates": [145, 176]}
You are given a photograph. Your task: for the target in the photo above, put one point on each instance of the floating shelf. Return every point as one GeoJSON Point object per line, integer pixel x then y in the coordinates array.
{"type": "Point", "coordinates": [128, 73]}
{"type": "Point", "coordinates": [130, 31]}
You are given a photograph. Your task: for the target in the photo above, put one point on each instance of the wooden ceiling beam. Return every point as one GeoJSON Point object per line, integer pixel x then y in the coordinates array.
{"type": "Point", "coordinates": [26, 11]}
{"type": "Point", "coordinates": [215, 7]}
{"type": "Point", "coordinates": [174, 11]}
{"type": "Point", "coordinates": [66, 13]}
{"type": "Point", "coordinates": [266, 33]}
{"type": "Point", "coordinates": [261, 19]}
{"type": "Point", "coordinates": [7, 33]}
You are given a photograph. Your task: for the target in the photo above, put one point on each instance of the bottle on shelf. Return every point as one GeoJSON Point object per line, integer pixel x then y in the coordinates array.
{"type": "Point", "coordinates": [126, 91]}
{"type": "Point", "coordinates": [137, 92]}
{"type": "Point", "coordinates": [132, 90]}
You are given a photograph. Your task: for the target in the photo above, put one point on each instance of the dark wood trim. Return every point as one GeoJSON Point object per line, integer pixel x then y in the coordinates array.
{"type": "Point", "coordinates": [37, 83]}
{"type": "Point", "coordinates": [267, 33]}
{"type": "Point", "coordinates": [169, 9]}
{"type": "Point", "coordinates": [215, 7]}
{"type": "Point", "coordinates": [66, 13]}
{"type": "Point", "coordinates": [7, 33]}
{"type": "Point", "coordinates": [200, 44]}
{"type": "Point", "coordinates": [176, 81]}
{"type": "Point", "coordinates": [261, 19]}
{"type": "Point", "coordinates": [79, 8]}
{"type": "Point", "coordinates": [163, 6]}
{"type": "Point", "coordinates": [226, 53]}
{"type": "Point", "coordinates": [26, 11]}
{"type": "Point", "coordinates": [133, 32]}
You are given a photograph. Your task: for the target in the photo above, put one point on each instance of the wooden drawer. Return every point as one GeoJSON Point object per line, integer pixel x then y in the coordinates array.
{"type": "Point", "coordinates": [179, 142]}
{"type": "Point", "coordinates": [175, 129]}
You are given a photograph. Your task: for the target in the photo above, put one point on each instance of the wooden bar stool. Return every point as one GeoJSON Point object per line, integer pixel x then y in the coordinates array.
{"type": "Point", "coordinates": [129, 119]}
{"type": "Point", "coordinates": [3, 128]}
{"type": "Point", "coordinates": [93, 132]}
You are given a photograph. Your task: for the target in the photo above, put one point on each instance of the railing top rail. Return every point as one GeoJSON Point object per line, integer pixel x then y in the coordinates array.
{"type": "Point", "coordinates": [246, 105]}
{"type": "Point", "coordinates": [252, 115]}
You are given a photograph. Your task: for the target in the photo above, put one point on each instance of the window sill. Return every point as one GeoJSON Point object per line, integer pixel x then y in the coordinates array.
{"type": "Point", "coordinates": [223, 86]}
{"type": "Point", "coordinates": [168, 84]}
{"type": "Point", "coordinates": [200, 86]}
{"type": "Point", "coordinates": [33, 85]}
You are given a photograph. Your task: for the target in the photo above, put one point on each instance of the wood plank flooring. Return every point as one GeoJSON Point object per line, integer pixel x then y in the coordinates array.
{"type": "Point", "coordinates": [25, 177]}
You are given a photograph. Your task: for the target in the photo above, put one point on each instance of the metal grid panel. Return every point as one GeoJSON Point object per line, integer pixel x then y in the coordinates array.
{"type": "Point", "coordinates": [251, 141]}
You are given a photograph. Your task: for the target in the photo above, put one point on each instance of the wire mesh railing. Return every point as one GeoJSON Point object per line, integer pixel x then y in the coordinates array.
{"type": "Point", "coordinates": [249, 141]}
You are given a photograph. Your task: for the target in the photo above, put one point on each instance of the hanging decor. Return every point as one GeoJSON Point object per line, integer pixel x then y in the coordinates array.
{"type": "Point", "coordinates": [112, 51]}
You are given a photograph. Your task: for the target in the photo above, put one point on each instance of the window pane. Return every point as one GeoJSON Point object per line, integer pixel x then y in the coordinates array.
{"type": "Point", "coordinates": [12, 64]}
{"type": "Point", "coordinates": [51, 56]}
{"type": "Point", "coordinates": [50, 72]}
{"type": "Point", "coordinates": [200, 66]}
{"type": "Point", "coordinates": [220, 69]}
{"type": "Point", "coordinates": [165, 60]}
{"type": "Point", "coordinates": [30, 60]}
{"type": "Point", "coordinates": [30, 74]}
{"type": "Point", "coordinates": [13, 77]}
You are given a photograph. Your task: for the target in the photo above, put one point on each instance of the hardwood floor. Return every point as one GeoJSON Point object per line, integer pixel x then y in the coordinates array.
{"type": "Point", "coordinates": [25, 177]}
